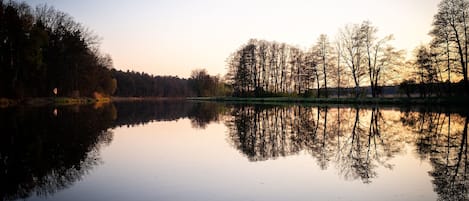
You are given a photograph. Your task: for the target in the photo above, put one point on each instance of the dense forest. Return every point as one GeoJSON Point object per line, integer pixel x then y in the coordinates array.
{"type": "Point", "coordinates": [142, 84]}
{"type": "Point", "coordinates": [358, 57]}
{"type": "Point", "coordinates": [200, 83]}
{"type": "Point", "coordinates": [45, 52]}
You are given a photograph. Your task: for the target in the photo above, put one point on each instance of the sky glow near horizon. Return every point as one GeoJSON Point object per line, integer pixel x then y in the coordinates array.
{"type": "Point", "coordinates": [173, 37]}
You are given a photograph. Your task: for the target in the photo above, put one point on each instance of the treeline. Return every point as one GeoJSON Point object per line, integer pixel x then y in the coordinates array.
{"type": "Point", "coordinates": [444, 59]}
{"type": "Point", "coordinates": [358, 57]}
{"type": "Point", "coordinates": [44, 52]}
{"type": "Point", "coordinates": [144, 85]}
{"type": "Point", "coordinates": [140, 84]}
{"type": "Point", "coordinates": [261, 68]}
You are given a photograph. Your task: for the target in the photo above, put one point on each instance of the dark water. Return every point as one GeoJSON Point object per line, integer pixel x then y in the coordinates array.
{"type": "Point", "coordinates": [208, 151]}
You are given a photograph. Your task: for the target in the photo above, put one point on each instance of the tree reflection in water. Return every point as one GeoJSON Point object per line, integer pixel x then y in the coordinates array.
{"type": "Point", "coordinates": [42, 152]}
{"type": "Point", "coordinates": [355, 140]}
{"type": "Point", "coordinates": [442, 138]}
{"type": "Point", "coordinates": [141, 113]}
{"type": "Point", "coordinates": [44, 149]}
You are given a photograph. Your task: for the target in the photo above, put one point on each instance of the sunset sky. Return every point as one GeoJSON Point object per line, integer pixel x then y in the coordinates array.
{"type": "Point", "coordinates": [173, 37]}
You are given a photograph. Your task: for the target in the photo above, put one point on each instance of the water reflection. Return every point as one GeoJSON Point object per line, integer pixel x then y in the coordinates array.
{"type": "Point", "coordinates": [357, 141]}
{"type": "Point", "coordinates": [132, 114]}
{"type": "Point", "coordinates": [442, 138]}
{"type": "Point", "coordinates": [44, 149]}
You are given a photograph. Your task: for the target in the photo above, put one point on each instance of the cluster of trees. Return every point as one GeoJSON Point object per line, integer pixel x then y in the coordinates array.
{"type": "Point", "coordinates": [444, 59]}
{"type": "Point", "coordinates": [265, 68]}
{"type": "Point", "coordinates": [200, 83]}
{"type": "Point", "coordinates": [137, 84]}
{"type": "Point", "coordinates": [357, 57]}
{"type": "Point", "coordinates": [44, 51]}
{"type": "Point", "coordinates": [203, 84]}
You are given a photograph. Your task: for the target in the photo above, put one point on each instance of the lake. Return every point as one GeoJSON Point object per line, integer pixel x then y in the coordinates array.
{"type": "Point", "coordinates": [181, 150]}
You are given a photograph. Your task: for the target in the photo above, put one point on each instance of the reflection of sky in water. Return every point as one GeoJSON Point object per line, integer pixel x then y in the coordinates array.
{"type": "Point", "coordinates": [173, 161]}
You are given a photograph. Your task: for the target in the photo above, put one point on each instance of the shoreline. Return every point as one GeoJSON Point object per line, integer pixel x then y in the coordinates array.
{"type": "Point", "coordinates": [58, 101]}
{"type": "Point", "coordinates": [64, 101]}
{"type": "Point", "coordinates": [431, 101]}
{"type": "Point", "coordinates": [437, 101]}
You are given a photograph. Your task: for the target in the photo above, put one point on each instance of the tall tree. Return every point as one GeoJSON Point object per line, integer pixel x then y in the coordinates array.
{"type": "Point", "coordinates": [324, 52]}
{"type": "Point", "coordinates": [262, 53]}
{"type": "Point", "coordinates": [451, 25]}
{"type": "Point", "coordinates": [47, 49]}
{"type": "Point", "coordinates": [353, 53]}
{"type": "Point", "coordinates": [380, 56]}
{"type": "Point", "coordinates": [426, 69]}
{"type": "Point", "coordinates": [340, 71]}
{"type": "Point", "coordinates": [443, 41]}
{"type": "Point", "coordinates": [283, 56]}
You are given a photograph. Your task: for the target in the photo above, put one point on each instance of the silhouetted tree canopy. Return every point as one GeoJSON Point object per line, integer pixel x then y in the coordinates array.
{"type": "Point", "coordinates": [266, 68]}
{"type": "Point", "coordinates": [204, 84]}
{"type": "Point", "coordinates": [46, 49]}
{"type": "Point", "coordinates": [137, 84]}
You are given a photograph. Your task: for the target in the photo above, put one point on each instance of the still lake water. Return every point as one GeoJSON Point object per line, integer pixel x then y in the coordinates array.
{"type": "Point", "coordinates": [208, 151]}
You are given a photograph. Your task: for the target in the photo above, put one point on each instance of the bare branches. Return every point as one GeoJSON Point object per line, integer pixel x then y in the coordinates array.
{"type": "Point", "coordinates": [450, 34]}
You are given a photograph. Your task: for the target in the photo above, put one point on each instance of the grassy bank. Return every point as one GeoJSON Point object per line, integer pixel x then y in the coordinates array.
{"type": "Point", "coordinates": [4, 102]}
{"type": "Point", "coordinates": [460, 101]}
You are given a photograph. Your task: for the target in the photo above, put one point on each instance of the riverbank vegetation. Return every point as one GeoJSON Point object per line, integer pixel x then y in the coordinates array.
{"type": "Point", "coordinates": [358, 57]}
{"type": "Point", "coordinates": [45, 53]}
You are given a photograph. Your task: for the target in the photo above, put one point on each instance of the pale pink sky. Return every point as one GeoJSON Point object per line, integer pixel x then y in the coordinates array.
{"type": "Point", "coordinates": [172, 37]}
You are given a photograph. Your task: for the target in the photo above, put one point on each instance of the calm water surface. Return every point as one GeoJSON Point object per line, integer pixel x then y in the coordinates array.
{"type": "Point", "coordinates": [208, 151]}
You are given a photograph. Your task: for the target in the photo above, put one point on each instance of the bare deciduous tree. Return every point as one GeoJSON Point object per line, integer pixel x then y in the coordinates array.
{"type": "Point", "coordinates": [353, 53]}
{"type": "Point", "coordinates": [451, 27]}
